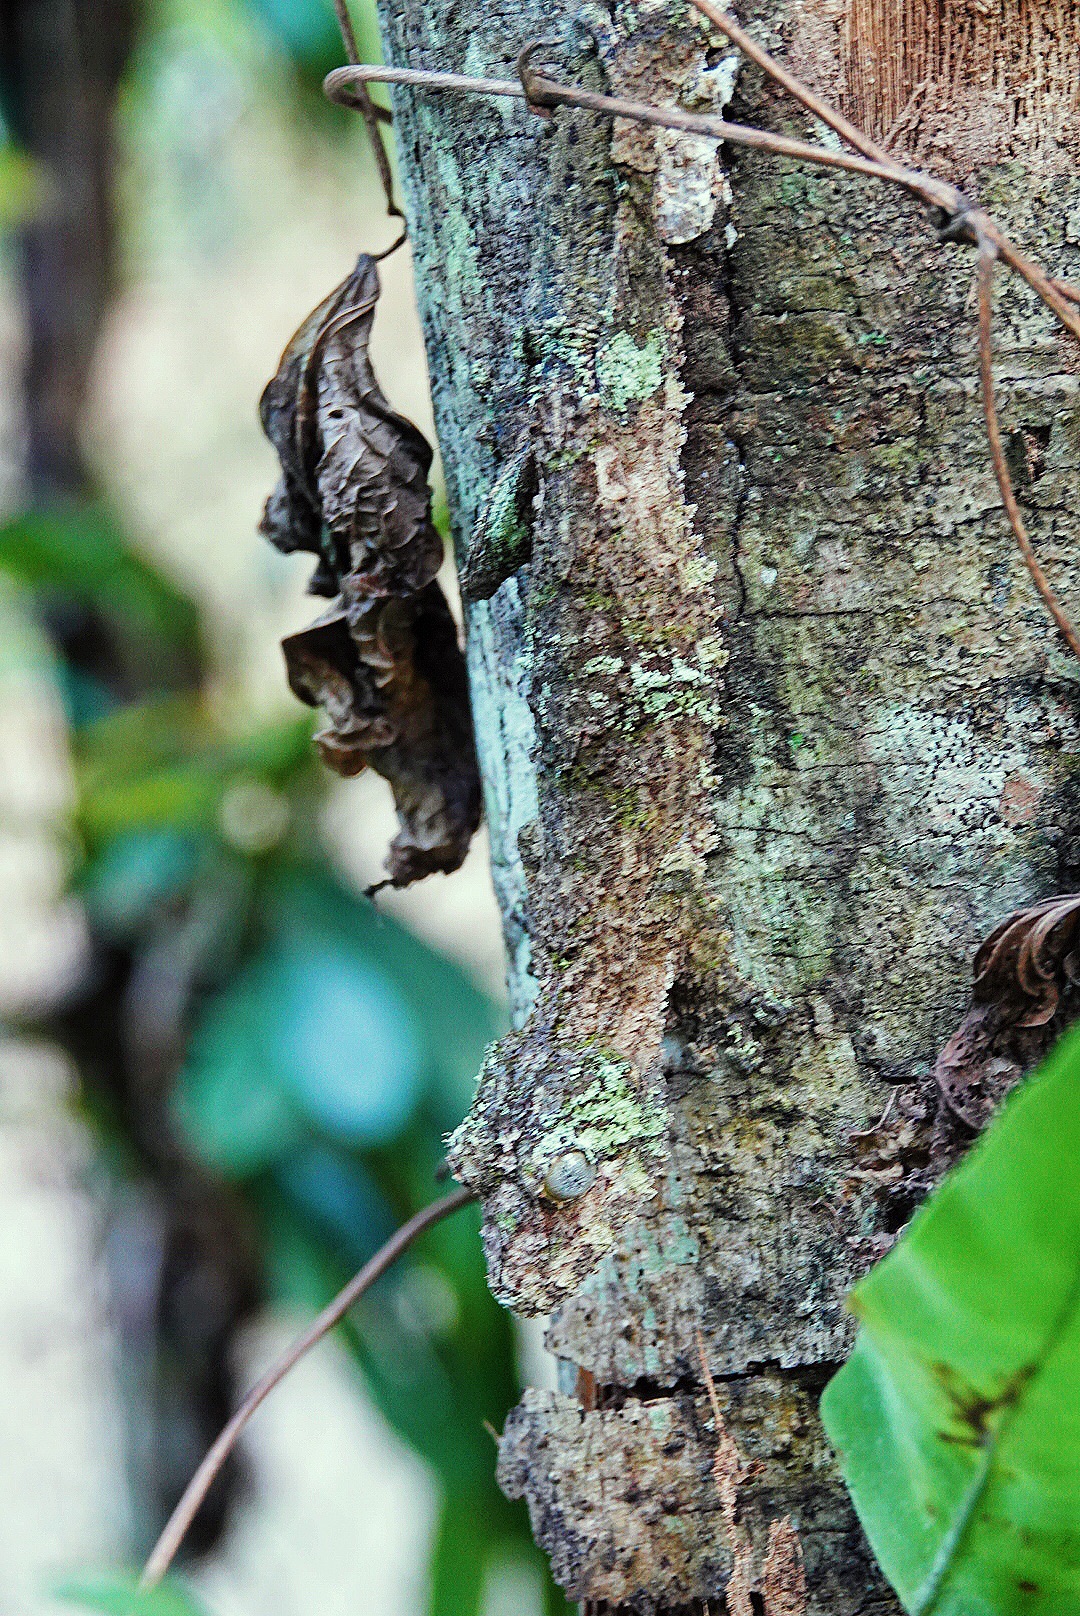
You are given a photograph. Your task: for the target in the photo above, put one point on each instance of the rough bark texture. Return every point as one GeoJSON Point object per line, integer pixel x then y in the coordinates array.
{"type": "Point", "coordinates": [773, 731]}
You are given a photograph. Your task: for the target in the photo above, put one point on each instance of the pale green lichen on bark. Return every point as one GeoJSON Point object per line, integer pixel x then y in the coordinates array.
{"type": "Point", "coordinates": [626, 371]}
{"type": "Point", "coordinates": [506, 529]}
{"type": "Point", "coordinates": [609, 1113]}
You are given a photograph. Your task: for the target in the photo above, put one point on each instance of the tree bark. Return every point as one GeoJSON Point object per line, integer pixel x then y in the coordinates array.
{"type": "Point", "coordinates": [772, 725]}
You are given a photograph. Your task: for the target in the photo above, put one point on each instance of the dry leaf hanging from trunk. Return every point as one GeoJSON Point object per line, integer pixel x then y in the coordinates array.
{"type": "Point", "coordinates": [1025, 973]}
{"type": "Point", "coordinates": [383, 662]}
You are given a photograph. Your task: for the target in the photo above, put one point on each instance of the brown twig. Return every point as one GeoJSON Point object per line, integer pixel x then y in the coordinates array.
{"type": "Point", "coordinates": [374, 117]}
{"type": "Point", "coordinates": [1048, 290]}
{"type": "Point", "coordinates": [164, 1550]}
{"type": "Point", "coordinates": [545, 92]}
{"type": "Point", "coordinates": [706, 1375]}
{"type": "Point", "coordinates": [987, 260]}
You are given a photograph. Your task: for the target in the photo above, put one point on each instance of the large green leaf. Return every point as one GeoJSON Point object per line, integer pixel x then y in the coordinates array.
{"type": "Point", "coordinates": [957, 1417]}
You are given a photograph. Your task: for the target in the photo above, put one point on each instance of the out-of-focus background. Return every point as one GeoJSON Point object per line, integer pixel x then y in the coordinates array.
{"type": "Point", "coordinates": [224, 1075]}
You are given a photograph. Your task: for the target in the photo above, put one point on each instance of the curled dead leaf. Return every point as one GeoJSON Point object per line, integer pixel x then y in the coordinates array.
{"type": "Point", "coordinates": [383, 662]}
{"type": "Point", "coordinates": [1023, 972]}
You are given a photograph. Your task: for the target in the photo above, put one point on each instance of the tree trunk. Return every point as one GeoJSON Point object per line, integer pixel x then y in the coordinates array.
{"type": "Point", "coordinates": [772, 725]}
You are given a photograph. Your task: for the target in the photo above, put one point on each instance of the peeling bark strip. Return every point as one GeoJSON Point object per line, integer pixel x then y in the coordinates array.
{"type": "Point", "coordinates": [991, 77]}
{"type": "Point", "coordinates": [783, 1587]}
{"type": "Point", "coordinates": [772, 735]}
{"type": "Point", "coordinates": [383, 662]}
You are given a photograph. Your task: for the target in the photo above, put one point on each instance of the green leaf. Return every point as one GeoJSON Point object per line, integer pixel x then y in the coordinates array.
{"type": "Point", "coordinates": [313, 1028]}
{"type": "Point", "coordinates": [957, 1418]}
{"type": "Point", "coordinates": [21, 186]}
{"type": "Point", "coordinates": [79, 549]}
{"type": "Point", "coordinates": [307, 30]}
{"type": "Point", "coordinates": [463, 1546]}
{"type": "Point", "coordinates": [340, 1198]}
{"type": "Point", "coordinates": [455, 1021]}
{"type": "Point", "coordinates": [136, 874]}
{"type": "Point", "coordinates": [121, 1596]}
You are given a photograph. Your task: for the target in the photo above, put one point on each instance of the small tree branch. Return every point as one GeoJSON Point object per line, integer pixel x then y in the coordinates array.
{"type": "Point", "coordinates": [545, 92]}
{"type": "Point", "coordinates": [164, 1550]}
{"type": "Point", "coordinates": [1051, 292]}
{"type": "Point", "coordinates": [348, 32]}
{"type": "Point", "coordinates": [372, 115]}
{"type": "Point", "coordinates": [987, 260]}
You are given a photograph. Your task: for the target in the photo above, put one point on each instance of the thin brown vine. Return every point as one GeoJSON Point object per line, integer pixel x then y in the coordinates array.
{"type": "Point", "coordinates": [167, 1545]}
{"type": "Point", "coordinates": [374, 116]}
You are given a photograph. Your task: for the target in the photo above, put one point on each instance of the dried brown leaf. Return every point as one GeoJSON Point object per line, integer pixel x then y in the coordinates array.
{"type": "Point", "coordinates": [1023, 971]}
{"type": "Point", "coordinates": [383, 662]}
{"type": "Point", "coordinates": [354, 486]}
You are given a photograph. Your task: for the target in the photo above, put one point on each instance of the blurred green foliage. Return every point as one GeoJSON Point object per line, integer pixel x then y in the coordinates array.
{"type": "Point", "coordinates": [77, 550]}
{"type": "Point", "coordinates": [325, 1051]}
{"type": "Point", "coordinates": [250, 1029]}
{"type": "Point", "coordinates": [307, 31]}
{"type": "Point", "coordinates": [20, 184]}
{"type": "Point", "coordinates": [137, 632]}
